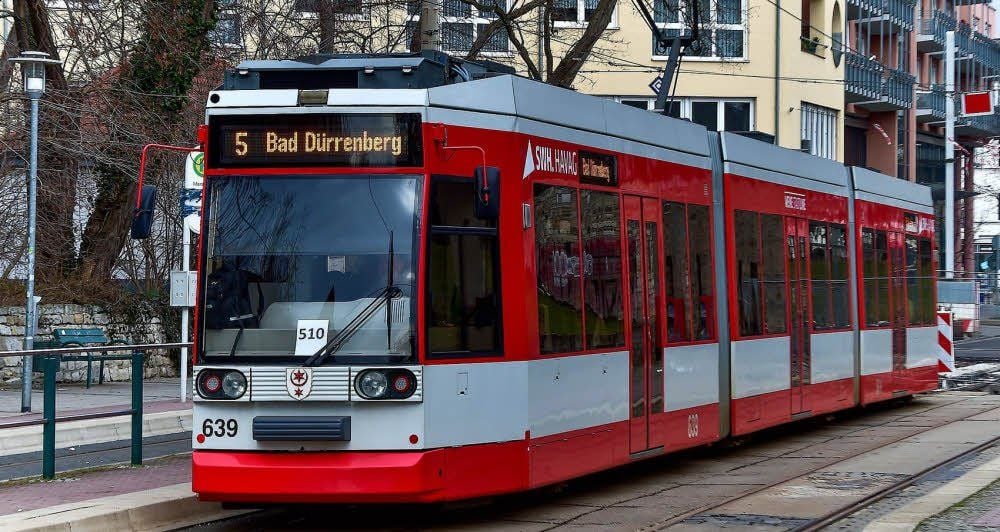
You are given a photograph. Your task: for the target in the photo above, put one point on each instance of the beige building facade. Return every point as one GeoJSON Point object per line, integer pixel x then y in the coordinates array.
{"type": "Point", "coordinates": [755, 72]}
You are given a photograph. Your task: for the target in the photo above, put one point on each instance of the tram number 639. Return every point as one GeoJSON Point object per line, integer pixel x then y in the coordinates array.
{"type": "Point", "coordinates": [692, 425]}
{"type": "Point", "coordinates": [220, 427]}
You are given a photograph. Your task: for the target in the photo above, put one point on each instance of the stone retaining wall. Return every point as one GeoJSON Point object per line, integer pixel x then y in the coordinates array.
{"type": "Point", "coordinates": [80, 316]}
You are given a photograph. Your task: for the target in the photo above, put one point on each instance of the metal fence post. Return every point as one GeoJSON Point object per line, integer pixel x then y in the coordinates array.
{"type": "Point", "coordinates": [137, 407]}
{"type": "Point", "coordinates": [51, 367]}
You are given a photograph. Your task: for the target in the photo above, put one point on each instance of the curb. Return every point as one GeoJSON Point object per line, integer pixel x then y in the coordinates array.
{"type": "Point", "coordinates": [165, 508]}
{"type": "Point", "coordinates": [71, 433]}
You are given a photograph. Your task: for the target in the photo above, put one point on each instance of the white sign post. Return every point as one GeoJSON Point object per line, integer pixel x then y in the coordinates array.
{"type": "Point", "coordinates": [194, 178]}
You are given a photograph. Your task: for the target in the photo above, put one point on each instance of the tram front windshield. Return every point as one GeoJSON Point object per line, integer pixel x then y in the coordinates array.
{"type": "Point", "coordinates": [280, 250]}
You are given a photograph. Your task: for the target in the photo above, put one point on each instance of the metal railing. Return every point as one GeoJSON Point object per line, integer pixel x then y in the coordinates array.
{"type": "Point", "coordinates": [900, 12]}
{"type": "Point", "coordinates": [933, 101]}
{"type": "Point", "coordinates": [51, 359]}
{"type": "Point", "coordinates": [938, 25]}
{"type": "Point", "coordinates": [898, 87]}
{"type": "Point", "coordinates": [863, 76]}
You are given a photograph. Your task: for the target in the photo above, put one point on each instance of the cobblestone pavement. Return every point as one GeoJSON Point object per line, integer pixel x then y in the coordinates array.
{"type": "Point", "coordinates": [888, 505]}
{"type": "Point", "coordinates": [979, 512]}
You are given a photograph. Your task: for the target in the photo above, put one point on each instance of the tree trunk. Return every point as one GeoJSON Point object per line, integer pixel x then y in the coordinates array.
{"type": "Point", "coordinates": [565, 73]}
{"type": "Point", "coordinates": [327, 15]}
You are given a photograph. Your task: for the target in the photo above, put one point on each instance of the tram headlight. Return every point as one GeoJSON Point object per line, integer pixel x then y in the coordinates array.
{"type": "Point", "coordinates": [234, 385]}
{"type": "Point", "coordinates": [221, 384]}
{"type": "Point", "coordinates": [386, 384]}
{"type": "Point", "coordinates": [373, 384]}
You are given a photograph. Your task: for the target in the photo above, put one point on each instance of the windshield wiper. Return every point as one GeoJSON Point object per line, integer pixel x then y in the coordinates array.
{"type": "Point", "coordinates": [388, 302]}
{"type": "Point", "coordinates": [385, 296]}
{"type": "Point", "coordinates": [239, 333]}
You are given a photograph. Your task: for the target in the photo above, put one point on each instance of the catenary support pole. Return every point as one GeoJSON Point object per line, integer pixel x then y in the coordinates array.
{"type": "Point", "coordinates": [29, 306]}
{"type": "Point", "coordinates": [949, 155]}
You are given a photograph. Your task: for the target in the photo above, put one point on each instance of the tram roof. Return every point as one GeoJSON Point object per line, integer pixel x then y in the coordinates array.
{"type": "Point", "coordinates": [760, 160]}
{"type": "Point", "coordinates": [520, 97]}
{"type": "Point", "coordinates": [880, 188]}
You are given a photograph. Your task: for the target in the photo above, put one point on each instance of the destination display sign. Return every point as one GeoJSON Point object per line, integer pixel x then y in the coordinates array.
{"type": "Point", "coordinates": [242, 141]}
{"type": "Point", "coordinates": [598, 169]}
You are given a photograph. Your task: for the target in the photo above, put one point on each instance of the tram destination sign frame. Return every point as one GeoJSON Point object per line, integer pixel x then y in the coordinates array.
{"type": "Point", "coordinates": [315, 139]}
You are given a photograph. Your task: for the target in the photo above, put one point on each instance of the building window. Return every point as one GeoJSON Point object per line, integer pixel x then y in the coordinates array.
{"type": "Point", "coordinates": [463, 304]}
{"type": "Point", "coordinates": [902, 145]}
{"type": "Point", "coordinates": [461, 25]}
{"type": "Point", "coordinates": [339, 7]}
{"type": "Point", "coordinates": [576, 13]}
{"type": "Point", "coordinates": [714, 114]}
{"type": "Point", "coordinates": [227, 30]}
{"type": "Point", "coordinates": [722, 33]}
{"type": "Point", "coordinates": [819, 130]}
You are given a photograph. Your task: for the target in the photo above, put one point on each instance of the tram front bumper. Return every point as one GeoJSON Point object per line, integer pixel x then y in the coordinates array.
{"type": "Point", "coordinates": [318, 477]}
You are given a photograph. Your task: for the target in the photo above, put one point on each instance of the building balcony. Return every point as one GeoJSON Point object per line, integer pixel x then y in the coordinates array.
{"type": "Point", "coordinates": [900, 12]}
{"type": "Point", "coordinates": [897, 89]}
{"type": "Point", "coordinates": [930, 105]}
{"type": "Point", "coordinates": [859, 9]}
{"type": "Point", "coordinates": [970, 2]}
{"type": "Point", "coordinates": [983, 51]}
{"type": "Point", "coordinates": [931, 32]}
{"type": "Point", "coordinates": [887, 17]}
{"type": "Point", "coordinates": [862, 78]}
{"type": "Point", "coordinates": [978, 126]}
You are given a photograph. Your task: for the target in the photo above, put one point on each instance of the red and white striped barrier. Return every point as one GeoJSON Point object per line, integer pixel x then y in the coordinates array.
{"type": "Point", "coordinates": [946, 350]}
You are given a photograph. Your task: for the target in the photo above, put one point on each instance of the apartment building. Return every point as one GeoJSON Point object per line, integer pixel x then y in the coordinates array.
{"type": "Point", "coordinates": [770, 66]}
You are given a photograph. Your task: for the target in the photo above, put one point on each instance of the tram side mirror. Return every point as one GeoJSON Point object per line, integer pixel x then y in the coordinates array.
{"type": "Point", "coordinates": [487, 205]}
{"type": "Point", "coordinates": [142, 218]}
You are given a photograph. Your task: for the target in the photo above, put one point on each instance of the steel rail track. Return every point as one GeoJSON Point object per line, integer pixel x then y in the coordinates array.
{"type": "Point", "coordinates": [666, 523]}
{"type": "Point", "coordinates": [853, 508]}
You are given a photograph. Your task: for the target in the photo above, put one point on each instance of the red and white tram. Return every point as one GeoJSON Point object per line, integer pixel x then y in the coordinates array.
{"type": "Point", "coordinates": [479, 287]}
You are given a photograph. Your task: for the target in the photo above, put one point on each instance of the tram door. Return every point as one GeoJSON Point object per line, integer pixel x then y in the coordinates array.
{"type": "Point", "coordinates": [897, 300]}
{"type": "Point", "coordinates": [797, 238]}
{"type": "Point", "coordinates": [642, 237]}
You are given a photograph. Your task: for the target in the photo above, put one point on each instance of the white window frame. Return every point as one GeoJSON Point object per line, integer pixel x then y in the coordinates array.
{"type": "Point", "coordinates": [828, 147]}
{"type": "Point", "coordinates": [362, 16]}
{"type": "Point", "coordinates": [686, 108]}
{"type": "Point", "coordinates": [476, 19]}
{"type": "Point", "coordinates": [581, 22]}
{"type": "Point", "coordinates": [95, 5]}
{"type": "Point", "coordinates": [713, 15]}
{"type": "Point", "coordinates": [229, 13]}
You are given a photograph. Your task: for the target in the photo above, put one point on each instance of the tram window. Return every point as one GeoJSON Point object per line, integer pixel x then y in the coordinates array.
{"type": "Point", "coordinates": [463, 306]}
{"type": "Point", "coordinates": [773, 244]}
{"type": "Point", "coordinates": [452, 204]}
{"type": "Point", "coordinates": [839, 293]}
{"type": "Point", "coordinates": [557, 256]}
{"type": "Point", "coordinates": [602, 269]}
{"type": "Point", "coordinates": [700, 237]}
{"type": "Point", "coordinates": [876, 281]}
{"type": "Point", "coordinates": [675, 270]}
{"type": "Point", "coordinates": [926, 270]}
{"type": "Point", "coordinates": [748, 272]}
{"type": "Point", "coordinates": [912, 291]}
{"type": "Point", "coordinates": [819, 265]}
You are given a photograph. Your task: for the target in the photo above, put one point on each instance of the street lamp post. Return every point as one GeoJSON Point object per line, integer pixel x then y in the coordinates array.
{"type": "Point", "coordinates": [33, 70]}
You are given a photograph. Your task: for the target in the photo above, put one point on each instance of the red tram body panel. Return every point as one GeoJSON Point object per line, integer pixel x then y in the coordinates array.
{"type": "Point", "coordinates": [369, 332]}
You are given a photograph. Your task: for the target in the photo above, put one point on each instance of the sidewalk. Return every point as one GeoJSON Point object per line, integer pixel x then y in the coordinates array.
{"type": "Point", "coordinates": [106, 497]}
{"type": "Point", "coordinates": [156, 496]}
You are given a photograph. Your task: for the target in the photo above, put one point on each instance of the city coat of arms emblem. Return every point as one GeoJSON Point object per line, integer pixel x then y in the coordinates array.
{"type": "Point", "coordinates": [298, 382]}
